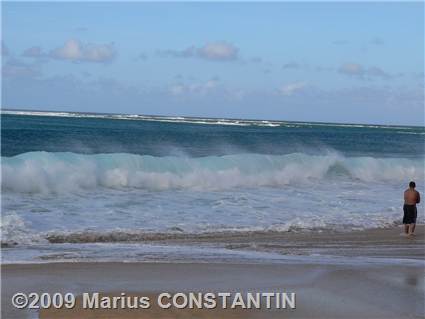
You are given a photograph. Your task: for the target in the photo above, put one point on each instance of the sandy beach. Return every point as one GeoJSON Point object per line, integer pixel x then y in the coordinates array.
{"type": "Point", "coordinates": [388, 285]}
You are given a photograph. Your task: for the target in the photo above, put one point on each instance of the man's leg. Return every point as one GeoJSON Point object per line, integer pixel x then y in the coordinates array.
{"type": "Point", "coordinates": [406, 229]}
{"type": "Point", "coordinates": [411, 229]}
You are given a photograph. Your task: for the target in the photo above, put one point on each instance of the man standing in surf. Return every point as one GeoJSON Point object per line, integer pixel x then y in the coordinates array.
{"type": "Point", "coordinates": [411, 198]}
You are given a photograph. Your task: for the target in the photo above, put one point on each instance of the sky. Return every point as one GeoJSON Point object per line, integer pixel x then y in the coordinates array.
{"type": "Point", "coordinates": [327, 62]}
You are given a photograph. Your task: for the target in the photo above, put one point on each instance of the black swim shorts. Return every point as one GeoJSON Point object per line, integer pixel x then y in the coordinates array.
{"type": "Point", "coordinates": [410, 214]}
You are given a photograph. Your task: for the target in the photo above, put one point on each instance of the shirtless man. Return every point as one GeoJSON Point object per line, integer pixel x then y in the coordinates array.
{"type": "Point", "coordinates": [411, 198]}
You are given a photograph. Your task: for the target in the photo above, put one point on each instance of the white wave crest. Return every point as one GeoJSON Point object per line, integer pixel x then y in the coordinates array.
{"type": "Point", "coordinates": [43, 172]}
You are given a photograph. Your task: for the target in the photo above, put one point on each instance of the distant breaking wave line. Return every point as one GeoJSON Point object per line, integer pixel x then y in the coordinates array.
{"type": "Point", "coordinates": [204, 121]}
{"type": "Point", "coordinates": [170, 119]}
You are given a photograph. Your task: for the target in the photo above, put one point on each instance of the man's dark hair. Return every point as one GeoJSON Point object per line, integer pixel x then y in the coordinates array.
{"type": "Point", "coordinates": [412, 184]}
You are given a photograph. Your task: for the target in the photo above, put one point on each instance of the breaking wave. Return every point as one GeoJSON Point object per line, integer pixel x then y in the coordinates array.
{"type": "Point", "coordinates": [44, 172]}
{"type": "Point", "coordinates": [14, 231]}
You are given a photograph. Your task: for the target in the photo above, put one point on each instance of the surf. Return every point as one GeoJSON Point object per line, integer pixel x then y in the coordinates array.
{"type": "Point", "coordinates": [63, 172]}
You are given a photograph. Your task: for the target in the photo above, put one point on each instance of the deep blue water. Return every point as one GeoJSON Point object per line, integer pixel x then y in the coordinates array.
{"type": "Point", "coordinates": [21, 134]}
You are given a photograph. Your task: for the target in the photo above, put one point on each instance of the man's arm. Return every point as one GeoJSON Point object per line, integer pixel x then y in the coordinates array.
{"type": "Point", "coordinates": [418, 198]}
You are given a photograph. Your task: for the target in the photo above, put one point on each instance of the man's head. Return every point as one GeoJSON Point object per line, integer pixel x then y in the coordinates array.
{"type": "Point", "coordinates": [412, 184]}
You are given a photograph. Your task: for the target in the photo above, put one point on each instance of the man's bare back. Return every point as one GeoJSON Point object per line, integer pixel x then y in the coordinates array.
{"type": "Point", "coordinates": [411, 197]}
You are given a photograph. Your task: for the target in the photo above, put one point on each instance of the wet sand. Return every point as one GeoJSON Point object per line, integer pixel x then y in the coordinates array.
{"type": "Point", "coordinates": [386, 242]}
{"type": "Point", "coordinates": [324, 290]}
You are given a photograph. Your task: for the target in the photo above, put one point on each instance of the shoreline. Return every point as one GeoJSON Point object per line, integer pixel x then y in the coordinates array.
{"type": "Point", "coordinates": [378, 244]}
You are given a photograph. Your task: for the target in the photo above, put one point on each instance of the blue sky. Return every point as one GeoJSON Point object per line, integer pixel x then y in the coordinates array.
{"type": "Point", "coordinates": [332, 62]}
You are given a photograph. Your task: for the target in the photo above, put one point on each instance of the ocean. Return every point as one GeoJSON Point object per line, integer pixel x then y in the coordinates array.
{"type": "Point", "coordinates": [84, 186]}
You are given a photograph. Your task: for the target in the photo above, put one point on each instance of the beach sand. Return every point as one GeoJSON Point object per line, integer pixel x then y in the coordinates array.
{"type": "Point", "coordinates": [324, 290]}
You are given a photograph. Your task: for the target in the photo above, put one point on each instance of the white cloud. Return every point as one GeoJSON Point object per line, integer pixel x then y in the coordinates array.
{"type": "Point", "coordinates": [355, 69]}
{"type": "Point", "coordinates": [292, 88]}
{"type": "Point", "coordinates": [194, 88]}
{"type": "Point", "coordinates": [74, 50]}
{"type": "Point", "coordinates": [177, 89]}
{"type": "Point", "coordinates": [213, 51]}
{"type": "Point", "coordinates": [352, 69]}
{"type": "Point", "coordinates": [218, 51]}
